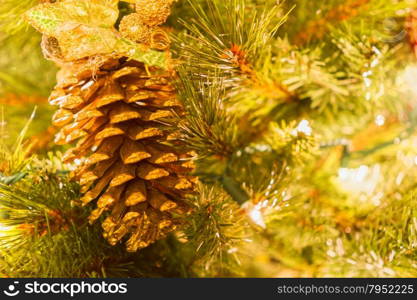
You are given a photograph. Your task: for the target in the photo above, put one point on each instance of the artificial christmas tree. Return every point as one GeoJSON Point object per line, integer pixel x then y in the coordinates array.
{"type": "Point", "coordinates": [298, 118]}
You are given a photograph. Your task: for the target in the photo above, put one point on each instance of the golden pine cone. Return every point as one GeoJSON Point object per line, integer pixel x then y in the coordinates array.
{"type": "Point", "coordinates": [154, 12]}
{"type": "Point", "coordinates": [120, 112]}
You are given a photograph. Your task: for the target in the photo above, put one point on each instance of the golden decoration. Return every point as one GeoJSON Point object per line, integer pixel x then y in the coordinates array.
{"type": "Point", "coordinates": [132, 27]}
{"type": "Point", "coordinates": [159, 39]}
{"type": "Point", "coordinates": [153, 12]}
{"type": "Point", "coordinates": [119, 113]}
